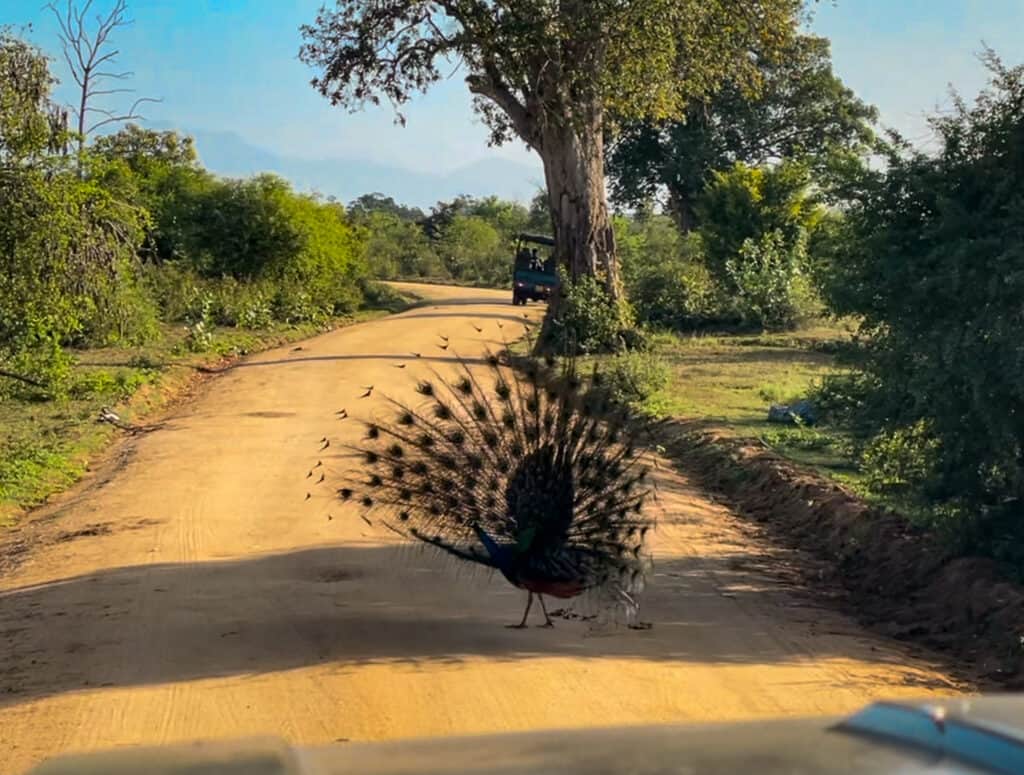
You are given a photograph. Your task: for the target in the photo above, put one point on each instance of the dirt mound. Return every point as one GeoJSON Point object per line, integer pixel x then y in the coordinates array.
{"type": "Point", "coordinates": [897, 579]}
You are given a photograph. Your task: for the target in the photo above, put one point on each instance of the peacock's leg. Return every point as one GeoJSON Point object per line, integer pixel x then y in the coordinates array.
{"type": "Point", "coordinates": [522, 624]}
{"type": "Point", "coordinates": [547, 619]}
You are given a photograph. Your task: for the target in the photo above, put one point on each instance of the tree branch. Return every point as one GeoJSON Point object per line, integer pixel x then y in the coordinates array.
{"type": "Point", "coordinates": [491, 87]}
{"type": "Point", "coordinates": [84, 53]}
{"type": "Point", "coordinates": [112, 118]}
{"type": "Point", "coordinates": [100, 92]}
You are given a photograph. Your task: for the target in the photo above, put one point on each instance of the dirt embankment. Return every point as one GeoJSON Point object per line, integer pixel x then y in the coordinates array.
{"type": "Point", "coordinates": [895, 578]}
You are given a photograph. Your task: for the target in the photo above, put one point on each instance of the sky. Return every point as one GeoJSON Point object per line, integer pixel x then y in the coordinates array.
{"type": "Point", "coordinates": [232, 65]}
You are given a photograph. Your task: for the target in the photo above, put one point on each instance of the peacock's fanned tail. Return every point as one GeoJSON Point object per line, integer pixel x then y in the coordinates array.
{"type": "Point", "coordinates": [530, 472]}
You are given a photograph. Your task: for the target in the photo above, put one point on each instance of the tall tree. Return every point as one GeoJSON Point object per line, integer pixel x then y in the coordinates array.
{"type": "Point", "coordinates": [556, 74]}
{"type": "Point", "coordinates": [91, 57]}
{"type": "Point", "coordinates": [63, 240]}
{"type": "Point", "coordinates": [803, 111]}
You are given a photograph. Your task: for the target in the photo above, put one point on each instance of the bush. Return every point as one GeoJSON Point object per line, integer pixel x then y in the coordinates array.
{"type": "Point", "coordinates": [931, 259]}
{"type": "Point", "coordinates": [901, 460]}
{"type": "Point", "coordinates": [199, 326]}
{"type": "Point", "coordinates": [771, 290]}
{"type": "Point", "coordinates": [124, 312]}
{"type": "Point", "coordinates": [633, 377]}
{"type": "Point", "coordinates": [174, 286]}
{"type": "Point", "coordinates": [666, 279]}
{"type": "Point", "coordinates": [745, 204]}
{"type": "Point", "coordinates": [587, 321]}
{"type": "Point", "coordinates": [293, 304]}
{"type": "Point", "coordinates": [104, 384]}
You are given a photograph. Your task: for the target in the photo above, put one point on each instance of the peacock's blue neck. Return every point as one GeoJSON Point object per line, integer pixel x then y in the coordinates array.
{"type": "Point", "coordinates": [502, 555]}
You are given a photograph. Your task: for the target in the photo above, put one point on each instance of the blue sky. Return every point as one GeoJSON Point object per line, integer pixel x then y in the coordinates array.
{"type": "Point", "coordinates": [231, 65]}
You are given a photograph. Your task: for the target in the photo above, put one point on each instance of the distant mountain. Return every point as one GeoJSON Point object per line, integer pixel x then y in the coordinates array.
{"type": "Point", "coordinates": [225, 153]}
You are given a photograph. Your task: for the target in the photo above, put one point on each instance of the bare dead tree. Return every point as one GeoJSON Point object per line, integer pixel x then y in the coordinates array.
{"type": "Point", "coordinates": [92, 61]}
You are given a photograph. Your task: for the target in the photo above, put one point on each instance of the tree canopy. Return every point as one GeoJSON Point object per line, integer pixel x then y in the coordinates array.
{"type": "Point", "coordinates": [556, 75]}
{"type": "Point", "coordinates": [535, 60]}
{"type": "Point", "coordinates": [803, 111]}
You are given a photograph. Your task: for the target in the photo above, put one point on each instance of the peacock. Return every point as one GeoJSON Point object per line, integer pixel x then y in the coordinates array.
{"type": "Point", "coordinates": [530, 471]}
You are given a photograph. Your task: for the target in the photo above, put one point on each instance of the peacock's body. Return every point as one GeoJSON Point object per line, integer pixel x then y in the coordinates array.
{"type": "Point", "coordinates": [525, 472]}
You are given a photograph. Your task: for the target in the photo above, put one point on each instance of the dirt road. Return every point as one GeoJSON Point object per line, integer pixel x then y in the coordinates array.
{"type": "Point", "coordinates": [196, 595]}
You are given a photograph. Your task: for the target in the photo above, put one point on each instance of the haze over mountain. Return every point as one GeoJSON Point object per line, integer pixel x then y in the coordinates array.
{"type": "Point", "coordinates": [226, 153]}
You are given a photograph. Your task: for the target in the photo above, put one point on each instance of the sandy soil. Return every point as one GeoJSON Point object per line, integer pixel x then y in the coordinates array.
{"type": "Point", "coordinates": [195, 593]}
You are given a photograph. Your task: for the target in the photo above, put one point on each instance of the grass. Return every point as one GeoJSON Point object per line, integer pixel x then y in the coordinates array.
{"type": "Point", "coordinates": [729, 381]}
{"type": "Point", "coordinates": [47, 445]}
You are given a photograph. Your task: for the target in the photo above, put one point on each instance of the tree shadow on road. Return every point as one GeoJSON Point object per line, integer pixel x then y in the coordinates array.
{"type": "Point", "coordinates": [358, 605]}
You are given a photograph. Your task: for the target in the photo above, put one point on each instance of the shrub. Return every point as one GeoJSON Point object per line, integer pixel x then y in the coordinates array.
{"type": "Point", "coordinates": [293, 304]}
{"type": "Point", "coordinates": [199, 327]}
{"type": "Point", "coordinates": [744, 204]}
{"type": "Point", "coordinates": [771, 290]}
{"type": "Point", "coordinates": [122, 311]}
{"type": "Point", "coordinates": [900, 460]}
{"type": "Point", "coordinates": [931, 259]}
{"type": "Point", "coordinates": [587, 320]}
{"type": "Point", "coordinates": [672, 288]}
{"type": "Point", "coordinates": [633, 377]}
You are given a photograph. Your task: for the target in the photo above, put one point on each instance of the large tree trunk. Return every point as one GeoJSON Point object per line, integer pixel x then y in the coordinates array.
{"type": "Point", "coordinates": [574, 172]}
{"type": "Point", "coordinates": [680, 205]}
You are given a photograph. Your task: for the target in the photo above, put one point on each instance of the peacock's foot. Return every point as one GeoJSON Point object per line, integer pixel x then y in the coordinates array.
{"type": "Point", "coordinates": [547, 625]}
{"type": "Point", "coordinates": [641, 626]}
{"type": "Point", "coordinates": [519, 626]}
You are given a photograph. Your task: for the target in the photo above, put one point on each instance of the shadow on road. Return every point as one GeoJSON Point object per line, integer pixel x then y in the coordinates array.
{"type": "Point", "coordinates": [360, 605]}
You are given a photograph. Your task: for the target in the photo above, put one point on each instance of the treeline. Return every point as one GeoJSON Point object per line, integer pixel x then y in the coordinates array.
{"type": "Point", "coordinates": [107, 245]}
{"type": "Point", "coordinates": [466, 240]}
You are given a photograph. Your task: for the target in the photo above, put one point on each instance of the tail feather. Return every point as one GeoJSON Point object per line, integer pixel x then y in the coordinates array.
{"type": "Point", "coordinates": [537, 477]}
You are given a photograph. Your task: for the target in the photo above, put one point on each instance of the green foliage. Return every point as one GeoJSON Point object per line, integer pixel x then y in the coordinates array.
{"type": "Point", "coordinates": [397, 248]}
{"type": "Point", "coordinates": [370, 204]}
{"type": "Point", "coordinates": [747, 203]}
{"type": "Point", "coordinates": [932, 258]}
{"type": "Point", "coordinates": [897, 460]}
{"type": "Point", "coordinates": [69, 237]}
{"type": "Point", "coordinates": [633, 377]}
{"type": "Point", "coordinates": [199, 327]}
{"type": "Point", "coordinates": [472, 249]}
{"type": "Point", "coordinates": [383, 297]}
{"type": "Point", "coordinates": [538, 218]}
{"type": "Point", "coordinates": [587, 320]}
{"type": "Point", "coordinates": [801, 112]}
{"type": "Point", "coordinates": [26, 131]}
{"type": "Point", "coordinates": [161, 171]}
{"type": "Point", "coordinates": [244, 229]}
{"type": "Point", "coordinates": [467, 240]}
{"type": "Point", "coordinates": [665, 276]}
{"type": "Point", "coordinates": [771, 290]}
{"type": "Point", "coordinates": [106, 385]}
{"type": "Point", "coordinates": [270, 251]}
{"type": "Point", "coordinates": [148, 153]}
{"type": "Point", "coordinates": [633, 59]}
{"type": "Point", "coordinates": [124, 313]}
